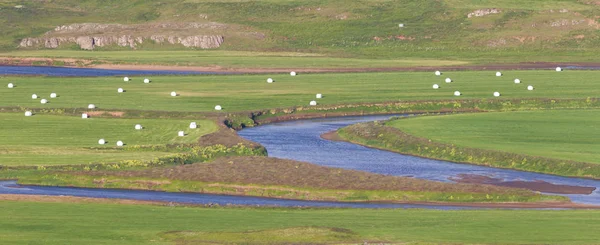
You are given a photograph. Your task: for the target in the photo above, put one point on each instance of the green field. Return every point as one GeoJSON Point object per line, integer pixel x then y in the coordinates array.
{"type": "Point", "coordinates": [61, 140]}
{"type": "Point", "coordinates": [252, 92]}
{"type": "Point", "coordinates": [561, 134]}
{"type": "Point", "coordinates": [60, 223]}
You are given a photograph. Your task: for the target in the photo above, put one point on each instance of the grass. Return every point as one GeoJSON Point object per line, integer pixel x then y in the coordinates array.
{"type": "Point", "coordinates": [61, 140]}
{"type": "Point", "coordinates": [59, 223]}
{"type": "Point", "coordinates": [561, 134]}
{"type": "Point", "coordinates": [278, 178]}
{"type": "Point", "coordinates": [229, 59]}
{"type": "Point", "coordinates": [251, 92]}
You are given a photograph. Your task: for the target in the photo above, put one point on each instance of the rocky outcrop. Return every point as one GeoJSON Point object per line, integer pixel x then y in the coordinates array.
{"type": "Point", "coordinates": [483, 12]}
{"type": "Point", "coordinates": [91, 42]}
{"type": "Point", "coordinates": [91, 35]}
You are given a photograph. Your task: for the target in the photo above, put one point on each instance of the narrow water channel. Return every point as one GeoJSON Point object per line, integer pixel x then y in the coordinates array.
{"type": "Point", "coordinates": [301, 141]}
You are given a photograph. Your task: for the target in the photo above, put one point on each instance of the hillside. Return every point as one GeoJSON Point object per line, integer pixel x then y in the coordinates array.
{"type": "Point", "coordinates": [450, 29]}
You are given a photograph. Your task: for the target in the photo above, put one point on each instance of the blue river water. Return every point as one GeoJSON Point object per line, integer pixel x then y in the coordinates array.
{"type": "Point", "coordinates": [88, 72]}
{"type": "Point", "coordinates": [300, 140]}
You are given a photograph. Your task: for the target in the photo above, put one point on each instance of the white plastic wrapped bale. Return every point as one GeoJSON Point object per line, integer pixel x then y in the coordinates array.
{"type": "Point", "coordinates": [28, 113]}
{"type": "Point", "coordinates": [496, 94]}
{"type": "Point", "coordinates": [293, 74]}
{"type": "Point", "coordinates": [120, 90]}
{"type": "Point", "coordinates": [173, 93]}
{"type": "Point", "coordinates": [319, 96]}
{"type": "Point", "coordinates": [435, 86]}
{"type": "Point", "coordinates": [313, 103]}
{"type": "Point", "coordinates": [457, 93]}
{"type": "Point", "coordinates": [530, 88]}
{"type": "Point", "coordinates": [101, 141]}
{"type": "Point", "coordinates": [91, 106]}
{"type": "Point", "coordinates": [448, 80]}
{"type": "Point", "coordinates": [401, 25]}
{"type": "Point", "coordinates": [438, 73]}
{"type": "Point", "coordinates": [146, 80]}
{"type": "Point", "coordinates": [517, 81]}
{"type": "Point", "coordinates": [53, 95]}
{"type": "Point", "coordinates": [85, 115]}
{"type": "Point", "coordinates": [180, 133]}
{"type": "Point", "coordinates": [34, 96]}
{"type": "Point", "coordinates": [498, 74]}
{"type": "Point", "coordinates": [10, 85]}
{"type": "Point", "coordinates": [193, 125]}
{"type": "Point", "coordinates": [126, 79]}
{"type": "Point", "coordinates": [119, 143]}
{"type": "Point", "coordinates": [44, 101]}
{"type": "Point", "coordinates": [218, 107]}
{"type": "Point", "coordinates": [558, 69]}
{"type": "Point", "coordinates": [270, 80]}
{"type": "Point", "coordinates": [138, 127]}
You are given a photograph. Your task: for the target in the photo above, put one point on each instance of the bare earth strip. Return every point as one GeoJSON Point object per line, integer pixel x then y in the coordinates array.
{"type": "Point", "coordinates": [70, 62]}
{"type": "Point", "coordinates": [71, 199]}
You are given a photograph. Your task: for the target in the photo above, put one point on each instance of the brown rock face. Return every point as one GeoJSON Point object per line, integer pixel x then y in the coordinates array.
{"type": "Point", "coordinates": [91, 35]}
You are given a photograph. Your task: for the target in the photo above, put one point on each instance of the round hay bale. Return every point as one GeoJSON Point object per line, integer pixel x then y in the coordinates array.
{"type": "Point", "coordinates": [173, 94]}
{"type": "Point", "coordinates": [517, 81]}
{"type": "Point", "coordinates": [293, 74]}
{"type": "Point", "coordinates": [53, 95]}
{"type": "Point", "coordinates": [120, 90]}
{"type": "Point", "coordinates": [496, 94]}
{"type": "Point", "coordinates": [401, 25]}
{"type": "Point", "coordinates": [313, 103]}
{"type": "Point", "coordinates": [126, 79]}
{"type": "Point", "coordinates": [10, 85]}
{"type": "Point", "coordinates": [498, 74]}
{"type": "Point", "coordinates": [146, 80]}
{"type": "Point", "coordinates": [44, 101]}
{"type": "Point", "coordinates": [438, 73]}
{"type": "Point", "coordinates": [180, 133]}
{"type": "Point", "coordinates": [530, 88]}
{"type": "Point", "coordinates": [101, 141]}
{"type": "Point", "coordinates": [138, 127]}
{"type": "Point", "coordinates": [91, 106]}
{"type": "Point", "coordinates": [558, 68]}
{"type": "Point", "coordinates": [319, 96]}
{"type": "Point", "coordinates": [448, 80]}
{"type": "Point", "coordinates": [457, 93]}
{"type": "Point", "coordinates": [84, 115]}
{"type": "Point", "coordinates": [218, 107]}
{"type": "Point", "coordinates": [193, 125]}
{"type": "Point", "coordinates": [34, 96]}
{"type": "Point", "coordinates": [270, 80]}
{"type": "Point", "coordinates": [435, 86]}
{"type": "Point", "coordinates": [28, 113]}
{"type": "Point", "coordinates": [119, 143]}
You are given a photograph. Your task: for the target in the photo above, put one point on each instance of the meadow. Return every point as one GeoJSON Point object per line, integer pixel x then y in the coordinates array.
{"type": "Point", "coordinates": [26, 222]}
{"type": "Point", "coordinates": [561, 134]}
{"type": "Point", "coordinates": [237, 93]}
{"type": "Point", "coordinates": [63, 140]}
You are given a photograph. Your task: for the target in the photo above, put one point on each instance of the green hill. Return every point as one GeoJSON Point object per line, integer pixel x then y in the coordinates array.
{"type": "Point", "coordinates": [483, 30]}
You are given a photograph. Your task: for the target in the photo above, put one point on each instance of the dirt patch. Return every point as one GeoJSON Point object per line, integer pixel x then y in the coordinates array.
{"type": "Point", "coordinates": [541, 186]}
{"type": "Point", "coordinates": [333, 136]}
{"type": "Point", "coordinates": [105, 113]}
{"type": "Point", "coordinates": [71, 199]}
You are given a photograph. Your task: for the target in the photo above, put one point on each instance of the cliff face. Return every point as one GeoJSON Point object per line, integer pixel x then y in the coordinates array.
{"type": "Point", "coordinates": [90, 42]}
{"type": "Point", "coordinates": [90, 35]}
